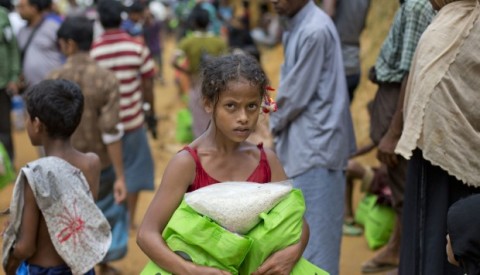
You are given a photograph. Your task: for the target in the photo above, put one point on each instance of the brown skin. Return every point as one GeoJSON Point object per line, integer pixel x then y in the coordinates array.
{"type": "Point", "coordinates": [226, 156]}
{"type": "Point", "coordinates": [450, 254]}
{"type": "Point", "coordinates": [33, 241]}
{"type": "Point", "coordinates": [329, 6]}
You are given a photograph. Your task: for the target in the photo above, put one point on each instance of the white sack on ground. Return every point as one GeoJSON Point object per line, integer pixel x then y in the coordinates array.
{"type": "Point", "coordinates": [237, 205]}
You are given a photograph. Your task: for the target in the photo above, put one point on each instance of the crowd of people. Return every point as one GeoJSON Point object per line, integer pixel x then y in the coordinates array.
{"type": "Point", "coordinates": [87, 73]}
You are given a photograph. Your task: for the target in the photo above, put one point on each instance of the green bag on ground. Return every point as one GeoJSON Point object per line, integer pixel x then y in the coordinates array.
{"type": "Point", "coordinates": [365, 205]}
{"type": "Point", "coordinates": [7, 174]}
{"type": "Point", "coordinates": [279, 228]}
{"type": "Point", "coordinates": [184, 132]}
{"type": "Point", "coordinates": [379, 225]}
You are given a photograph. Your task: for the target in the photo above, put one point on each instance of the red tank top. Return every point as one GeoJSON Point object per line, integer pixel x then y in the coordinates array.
{"type": "Point", "coordinates": [261, 174]}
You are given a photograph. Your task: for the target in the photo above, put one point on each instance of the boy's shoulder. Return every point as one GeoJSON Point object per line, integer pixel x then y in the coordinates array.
{"type": "Point", "coordinates": [47, 170]}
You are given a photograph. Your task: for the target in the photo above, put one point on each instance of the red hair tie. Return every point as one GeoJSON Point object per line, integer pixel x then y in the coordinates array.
{"type": "Point", "coordinates": [269, 105]}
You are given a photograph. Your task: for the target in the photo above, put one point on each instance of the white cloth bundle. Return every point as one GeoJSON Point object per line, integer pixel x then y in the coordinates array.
{"type": "Point", "coordinates": [237, 205]}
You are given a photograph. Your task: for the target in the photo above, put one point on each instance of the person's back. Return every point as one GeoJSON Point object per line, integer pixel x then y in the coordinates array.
{"type": "Point", "coordinates": [349, 18]}
{"type": "Point", "coordinates": [45, 253]}
{"type": "Point", "coordinates": [54, 222]}
{"type": "Point", "coordinates": [313, 129]}
{"type": "Point", "coordinates": [200, 43]}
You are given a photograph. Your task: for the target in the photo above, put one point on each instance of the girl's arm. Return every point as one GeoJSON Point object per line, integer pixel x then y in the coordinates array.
{"type": "Point", "coordinates": [283, 261]}
{"type": "Point", "coordinates": [177, 177]}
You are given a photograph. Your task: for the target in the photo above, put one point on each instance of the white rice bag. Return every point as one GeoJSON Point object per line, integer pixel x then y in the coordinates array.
{"type": "Point", "coordinates": [237, 205]}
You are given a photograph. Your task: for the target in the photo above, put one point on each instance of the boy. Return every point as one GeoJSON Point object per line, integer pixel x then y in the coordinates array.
{"type": "Point", "coordinates": [100, 130]}
{"type": "Point", "coordinates": [55, 225]}
{"type": "Point", "coordinates": [133, 67]}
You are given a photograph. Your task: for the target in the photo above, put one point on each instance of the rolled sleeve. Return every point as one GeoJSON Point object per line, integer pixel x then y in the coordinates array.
{"type": "Point", "coordinates": [297, 88]}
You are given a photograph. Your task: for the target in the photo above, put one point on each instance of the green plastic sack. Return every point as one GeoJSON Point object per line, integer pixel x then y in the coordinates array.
{"type": "Point", "coordinates": [379, 225]}
{"type": "Point", "coordinates": [364, 207]}
{"type": "Point", "coordinates": [184, 132]}
{"type": "Point", "coordinates": [152, 269]}
{"type": "Point", "coordinates": [206, 242]}
{"type": "Point", "coordinates": [279, 228]}
{"type": "Point", "coordinates": [199, 236]}
{"type": "Point", "coordinates": [7, 174]}
{"type": "Point", "coordinates": [303, 267]}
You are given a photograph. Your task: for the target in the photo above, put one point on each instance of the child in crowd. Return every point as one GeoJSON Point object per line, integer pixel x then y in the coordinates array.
{"type": "Point", "coordinates": [154, 39]}
{"type": "Point", "coordinates": [233, 90]}
{"type": "Point", "coordinates": [133, 25]}
{"type": "Point", "coordinates": [463, 238]}
{"type": "Point", "coordinates": [195, 48]}
{"type": "Point", "coordinates": [100, 130]}
{"type": "Point", "coordinates": [55, 226]}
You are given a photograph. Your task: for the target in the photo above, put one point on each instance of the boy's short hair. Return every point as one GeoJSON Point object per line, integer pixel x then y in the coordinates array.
{"type": "Point", "coordinates": [79, 29]}
{"type": "Point", "coordinates": [58, 104]}
{"type": "Point", "coordinates": [110, 13]}
{"type": "Point", "coordinates": [136, 7]}
{"type": "Point", "coordinates": [200, 17]}
{"type": "Point", "coordinates": [41, 5]}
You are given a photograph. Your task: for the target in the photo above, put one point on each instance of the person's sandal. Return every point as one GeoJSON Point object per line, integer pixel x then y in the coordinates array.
{"type": "Point", "coordinates": [372, 266]}
{"type": "Point", "coordinates": [350, 229]}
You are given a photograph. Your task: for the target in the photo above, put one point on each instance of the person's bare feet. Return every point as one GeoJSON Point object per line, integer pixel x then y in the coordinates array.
{"type": "Point", "coordinates": [387, 258]}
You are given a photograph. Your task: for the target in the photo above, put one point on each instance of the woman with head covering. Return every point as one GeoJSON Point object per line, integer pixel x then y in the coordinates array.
{"type": "Point", "coordinates": [463, 238]}
{"type": "Point", "coordinates": [441, 133]}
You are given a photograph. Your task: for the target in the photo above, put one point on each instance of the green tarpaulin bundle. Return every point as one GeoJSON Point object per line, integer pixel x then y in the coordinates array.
{"type": "Point", "coordinates": [208, 244]}
{"type": "Point", "coordinates": [7, 174]}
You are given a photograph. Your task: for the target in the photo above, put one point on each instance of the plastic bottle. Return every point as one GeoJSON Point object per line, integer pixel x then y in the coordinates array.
{"type": "Point", "coordinates": [18, 112]}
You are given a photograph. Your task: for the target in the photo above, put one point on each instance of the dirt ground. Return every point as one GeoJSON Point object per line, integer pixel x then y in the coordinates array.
{"type": "Point", "coordinates": [354, 249]}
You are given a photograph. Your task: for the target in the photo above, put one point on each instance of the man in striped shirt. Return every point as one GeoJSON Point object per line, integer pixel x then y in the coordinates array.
{"type": "Point", "coordinates": [134, 68]}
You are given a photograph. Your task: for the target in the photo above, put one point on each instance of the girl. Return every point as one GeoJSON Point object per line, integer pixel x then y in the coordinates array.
{"type": "Point", "coordinates": [232, 91]}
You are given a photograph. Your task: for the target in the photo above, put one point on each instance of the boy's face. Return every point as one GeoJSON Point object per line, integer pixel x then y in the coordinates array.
{"type": "Point", "coordinates": [288, 7]}
{"type": "Point", "coordinates": [33, 128]}
{"type": "Point", "coordinates": [26, 10]}
{"type": "Point", "coordinates": [237, 110]}
{"type": "Point", "coordinates": [136, 16]}
{"type": "Point", "coordinates": [450, 255]}
{"type": "Point", "coordinates": [68, 47]}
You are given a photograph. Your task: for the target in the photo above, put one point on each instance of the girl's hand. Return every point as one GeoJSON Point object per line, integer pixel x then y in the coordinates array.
{"type": "Point", "coordinates": [280, 262]}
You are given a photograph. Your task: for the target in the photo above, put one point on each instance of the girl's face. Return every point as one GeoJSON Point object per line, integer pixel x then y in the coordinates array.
{"type": "Point", "coordinates": [450, 255]}
{"type": "Point", "coordinates": [237, 110]}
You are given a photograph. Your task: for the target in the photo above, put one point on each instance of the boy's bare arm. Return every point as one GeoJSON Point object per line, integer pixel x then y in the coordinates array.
{"type": "Point", "coordinates": [25, 245]}
{"type": "Point", "coordinates": [92, 173]}
{"type": "Point", "coordinates": [119, 188]}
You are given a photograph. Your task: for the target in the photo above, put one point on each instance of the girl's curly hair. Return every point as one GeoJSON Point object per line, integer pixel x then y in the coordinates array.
{"type": "Point", "coordinates": [218, 72]}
